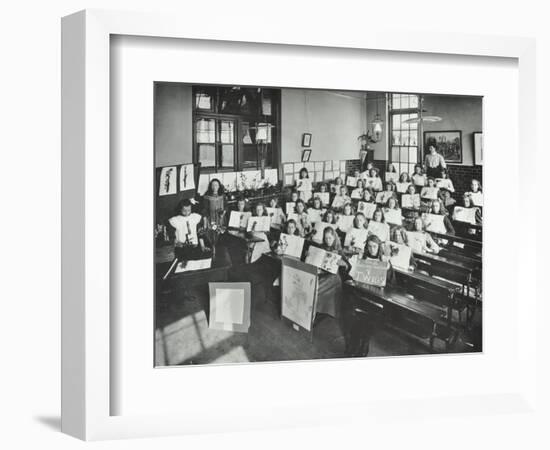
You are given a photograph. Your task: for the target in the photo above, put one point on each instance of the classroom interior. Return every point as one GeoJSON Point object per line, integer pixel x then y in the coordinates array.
{"type": "Point", "coordinates": [256, 141]}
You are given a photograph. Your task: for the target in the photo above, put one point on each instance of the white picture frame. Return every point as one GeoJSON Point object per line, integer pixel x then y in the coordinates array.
{"type": "Point", "coordinates": [89, 378]}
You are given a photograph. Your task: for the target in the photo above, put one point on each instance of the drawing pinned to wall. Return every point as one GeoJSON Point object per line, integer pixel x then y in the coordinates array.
{"type": "Point", "coordinates": [288, 168]}
{"type": "Point", "coordinates": [229, 180]}
{"type": "Point", "coordinates": [229, 306]}
{"type": "Point", "coordinates": [271, 176]}
{"type": "Point", "coordinates": [168, 181]}
{"type": "Point", "coordinates": [187, 177]}
{"type": "Point", "coordinates": [204, 179]}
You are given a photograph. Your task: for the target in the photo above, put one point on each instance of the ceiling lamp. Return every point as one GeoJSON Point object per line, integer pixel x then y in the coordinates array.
{"type": "Point", "coordinates": [421, 118]}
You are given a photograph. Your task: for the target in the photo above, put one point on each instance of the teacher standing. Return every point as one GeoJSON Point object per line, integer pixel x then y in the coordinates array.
{"type": "Point", "coordinates": [434, 163]}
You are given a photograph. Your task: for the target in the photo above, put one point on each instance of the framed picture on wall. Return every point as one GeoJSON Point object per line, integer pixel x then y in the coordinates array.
{"type": "Point", "coordinates": [306, 154]}
{"type": "Point", "coordinates": [446, 143]}
{"type": "Point", "coordinates": [306, 140]}
{"type": "Point", "coordinates": [478, 148]}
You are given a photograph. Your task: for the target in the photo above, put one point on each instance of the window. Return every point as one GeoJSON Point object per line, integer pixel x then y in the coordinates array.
{"type": "Point", "coordinates": [236, 128]}
{"type": "Point", "coordinates": [404, 136]}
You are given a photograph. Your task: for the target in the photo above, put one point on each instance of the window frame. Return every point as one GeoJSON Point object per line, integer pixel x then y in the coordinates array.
{"type": "Point", "coordinates": [400, 111]}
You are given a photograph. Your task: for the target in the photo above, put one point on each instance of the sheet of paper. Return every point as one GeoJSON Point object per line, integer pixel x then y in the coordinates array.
{"type": "Point", "coordinates": [402, 187]}
{"type": "Point", "coordinates": [229, 306]}
{"type": "Point", "coordinates": [187, 177]}
{"type": "Point", "coordinates": [291, 245]}
{"type": "Point", "coordinates": [336, 165]}
{"type": "Point", "coordinates": [168, 182]}
{"type": "Point", "coordinates": [324, 196]}
{"type": "Point", "coordinates": [393, 216]}
{"type": "Point", "coordinates": [429, 193]}
{"type": "Point", "coordinates": [271, 176]}
{"type": "Point", "coordinates": [370, 271]}
{"type": "Point", "coordinates": [288, 168]}
{"type": "Point", "coordinates": [357, 194]}
{"type": "Point", "coordinates": [319, 166]}
{"type": "Point", "coordinates": [319, 176]}
{"type": "Point", "coordinates": [328, 166]}
{"type": "Point", "coordinates": [276, 214]}
{"type": "Point", "coordinates": [239, 219]}
{"type": "Point", "coordinates": [435, 223]}
{"type": "Point", "coordinates": [322, 259]}
{"type": "Point", "coordinates": [356, 238]}
{"type": "Point", "coordinates": [289, 207]}
{"type": "Point", "coordinates": [198, 264]}
{"type": "Point", "coordinates": [351, 181]}
{"type": "Point", "coordinates": [383, 197]}
{"type": "Point", "coordinates": [367, 209]}
{"type": "Point", "coordinates": [392, 176]}
{"type": "Point", "coordinates": [204, 179]}
{"type": "Point", "coordinates": [410, 201]}
{"type": "Point", "coordinates": [400, 256]}
{"type": "Point", "coordinates": [416, 241]}
{"type": "Point", "coordinates": [344, 223]}
{"type": "Point", "coordinates": [382, 230]}
{"type": "Point", "coordinates": [477, 198]}
{"type": "Point", "coordinates": [462, 214]}
{"type": "Point", "coordinates": [289, 179]}
{"type": "Point", "coordinates": [252, 179]}
{"type": "Point", "coordinates": [342, 166]}
{"type": "Point", "coordinates": [303, 185]}
{"type": "Point", "coordinates": [261, 223]}
{"type": "Point", "coordinates": [314, 215]}
{"type": "Point", "coordinates": [310, 167]}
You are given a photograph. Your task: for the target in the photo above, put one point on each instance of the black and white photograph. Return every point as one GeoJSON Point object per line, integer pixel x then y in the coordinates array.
{"type": "Point", "coordinates": [373, 247]}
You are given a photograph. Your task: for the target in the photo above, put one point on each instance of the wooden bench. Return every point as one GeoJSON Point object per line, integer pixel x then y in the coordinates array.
{"type": "Point", "coordinates": [404, 311]}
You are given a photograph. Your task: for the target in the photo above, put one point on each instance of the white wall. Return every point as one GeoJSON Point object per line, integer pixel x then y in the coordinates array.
{"type": "Point", "coordinates": [335, 121]}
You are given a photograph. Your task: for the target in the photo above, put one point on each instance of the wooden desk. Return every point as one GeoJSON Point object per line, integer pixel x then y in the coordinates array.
{"type": "Point", "coordinates": [401, 309]}
{"type": "Point", "coordinates": [185, 280]}
{"type": "Point", "coordinates": [467, 230]}
{"type": "Point", "coordinates": [242, 241]}
{"type": "Point", "coordinates": [460, 245]}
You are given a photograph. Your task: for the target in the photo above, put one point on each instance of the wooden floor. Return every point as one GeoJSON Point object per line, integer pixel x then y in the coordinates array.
{"type": "Point", "coordinates": [182, 335]}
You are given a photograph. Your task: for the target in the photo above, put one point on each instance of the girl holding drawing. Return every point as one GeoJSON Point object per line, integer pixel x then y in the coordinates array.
{"type": "Point", "coordinates": [329, 293]}
{"type": "Point", "coordinates": [303, 185]}
{"type": "Point", "coordinates": [189, 242]}
{"type": "Point", "coordinates": [476, 193]}
{"type": "Point", "coordinates": [259, 248]}
{"type": "Point", "coordinates": [438, 209]}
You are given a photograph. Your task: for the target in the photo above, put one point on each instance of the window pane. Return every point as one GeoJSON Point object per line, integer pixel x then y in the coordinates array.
{"type": "Point", "coordinates": [411, 169]}
{"type": "Point", "coordinates": [396, 121]}
{"type": "Point", "coordinates": [404, 101]}
{"type": "Point", "coordinates": [207, 155]}
{"type": "Point", "coordinates": [395, 154]}
{"type": "Point", "coordinates": [396, 138]}
{"type": "Point", "coordinates": [413, 134]}
{"type": "Point", "coordinates": [396, 101]}
{"type": "Point", "coordinates": [206, 131]}
{"type": "Point", "coordinates": [413, 126]}
{"type": "Point", "coordinates": [227, 156]}
{"type": "Point", "coordinates": [413, 153]}
{"type": "Point", "coordinates": [203, 101]}
{"type": "Point", "coordinates": [413, 101]}
{"type": "Point", "coordinates": [226, 132]}
{"type": "Point", "coordinates": [250, 155]}
{"type": "Point", "coordinates": [404, 138]}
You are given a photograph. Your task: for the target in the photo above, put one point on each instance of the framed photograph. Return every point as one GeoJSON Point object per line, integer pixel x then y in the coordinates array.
{"type": "Point", "coordinates": [446, 143]}
{"type": "Point", "coordinates": [306, 140]}
{"type": "Point", "coordinates": [306, 155]}
{"type": "Point", "coordinates": [118, 315]}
